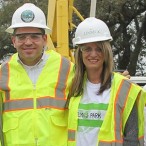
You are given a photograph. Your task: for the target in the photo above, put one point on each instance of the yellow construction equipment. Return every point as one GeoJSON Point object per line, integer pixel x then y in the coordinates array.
{"type": "Point", "coordinates": [60, 21]}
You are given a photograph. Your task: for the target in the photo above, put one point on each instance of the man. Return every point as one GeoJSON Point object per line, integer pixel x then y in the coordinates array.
{"type": "Point", "coordinates": [34, 85]}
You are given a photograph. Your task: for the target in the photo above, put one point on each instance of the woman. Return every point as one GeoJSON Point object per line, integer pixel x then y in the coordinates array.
{"type": "Point", "coordinates": [103, 104]}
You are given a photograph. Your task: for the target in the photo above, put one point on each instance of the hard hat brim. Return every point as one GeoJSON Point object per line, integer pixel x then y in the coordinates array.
{"type": "Point", "coordinates": [12, 27]}
{"type": "Point", "coordinates": [96, 39]}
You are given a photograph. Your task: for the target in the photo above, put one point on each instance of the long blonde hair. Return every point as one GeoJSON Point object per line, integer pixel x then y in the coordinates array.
{"type": "Point", "coordinates": [80, 70]}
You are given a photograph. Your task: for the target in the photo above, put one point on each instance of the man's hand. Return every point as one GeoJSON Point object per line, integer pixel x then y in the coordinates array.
{"type": "Point", "coordinates": [126, 74]}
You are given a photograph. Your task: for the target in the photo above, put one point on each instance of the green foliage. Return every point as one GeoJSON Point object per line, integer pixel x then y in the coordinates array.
{"type": "Point", "coordinates": [121, 16]}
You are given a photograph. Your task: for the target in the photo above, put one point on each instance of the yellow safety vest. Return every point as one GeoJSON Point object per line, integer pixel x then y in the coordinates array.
{"type": "Point", "coordinates": [35, 115]}
{"type": "Point", "coordinates": [122, 98]}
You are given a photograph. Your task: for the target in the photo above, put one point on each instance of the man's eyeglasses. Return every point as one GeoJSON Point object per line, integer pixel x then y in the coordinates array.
{"type": "Point", "coordinates": [88, 50]}
{"type": "Point", "coordinates": [34, 37]}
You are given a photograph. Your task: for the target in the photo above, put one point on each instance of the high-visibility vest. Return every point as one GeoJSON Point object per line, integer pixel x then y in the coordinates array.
{"type": "Point", "coordinates": [35, 115]}
{"type": "Point", "coordinates": [123, 96]}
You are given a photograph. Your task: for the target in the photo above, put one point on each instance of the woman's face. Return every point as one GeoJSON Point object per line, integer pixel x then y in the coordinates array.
{"type": "Point", "coordinates": [92, 55]}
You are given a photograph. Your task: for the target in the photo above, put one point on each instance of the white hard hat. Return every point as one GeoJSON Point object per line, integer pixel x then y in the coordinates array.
{"type": "Point", "coordinates": [28, 15]}
{"type": "Point", "coordinates": [91, 30]}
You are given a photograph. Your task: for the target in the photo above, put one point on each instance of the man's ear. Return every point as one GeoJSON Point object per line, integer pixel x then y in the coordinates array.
{"type": "Point", "coordinates": [13, 40]}
{"type": "Point", "coordinates": [45, 39]}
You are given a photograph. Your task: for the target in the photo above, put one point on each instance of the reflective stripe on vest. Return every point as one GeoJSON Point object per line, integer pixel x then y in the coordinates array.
{"type": "Point", "coordinates": [42, 102]}
{"type": "Point", "coordinates": [4, 77]}
{"type": "Point", "coordinates": [71, 135]}
{"type": "Point", "coordinates": [4, 81]}
{"type": "Point", "coordinates": [110, 144]}
{"type": "Point", "coordinates": [120, 99]}
{"type": "Point", "coordinates": [141, 143]}
{"type": "Point", "coordinates": [22, 104]}
{"type": "Point", "coordinates": [63, 74]}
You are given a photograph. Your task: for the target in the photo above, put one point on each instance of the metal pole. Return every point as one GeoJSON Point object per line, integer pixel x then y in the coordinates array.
{"type": "Point", "coordinates": [93, 8]}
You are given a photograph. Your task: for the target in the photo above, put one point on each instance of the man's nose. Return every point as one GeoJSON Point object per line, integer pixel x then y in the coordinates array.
{"type": "Point", "coordinates": [28, 39]}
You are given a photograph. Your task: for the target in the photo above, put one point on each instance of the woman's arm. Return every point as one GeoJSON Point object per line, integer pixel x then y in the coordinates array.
{"type": "Point", "coordinates": [131, 129]}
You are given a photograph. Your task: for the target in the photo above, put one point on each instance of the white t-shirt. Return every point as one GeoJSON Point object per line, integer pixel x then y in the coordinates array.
{"type": "Point", "coordinates": [34, 71]}
{"type": "Point", "coordinates": [91, 113]}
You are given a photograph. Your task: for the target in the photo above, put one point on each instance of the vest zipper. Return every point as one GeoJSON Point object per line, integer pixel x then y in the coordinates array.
{"type": "Point", "coordinates": [36, 141]}
{"type": "Point", "coordinates": [35, 115]}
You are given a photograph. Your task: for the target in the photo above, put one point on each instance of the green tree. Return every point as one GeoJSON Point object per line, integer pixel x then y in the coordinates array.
{"type": "Point", "coordinates": [126, 20]}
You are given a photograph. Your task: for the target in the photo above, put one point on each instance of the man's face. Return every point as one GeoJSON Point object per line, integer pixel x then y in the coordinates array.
{"type": "Point", "coordinates": [29, 43]}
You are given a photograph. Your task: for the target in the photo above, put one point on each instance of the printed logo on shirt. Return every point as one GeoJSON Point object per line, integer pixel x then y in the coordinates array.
{"type": "Point", "coordinates": [89, 115]}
